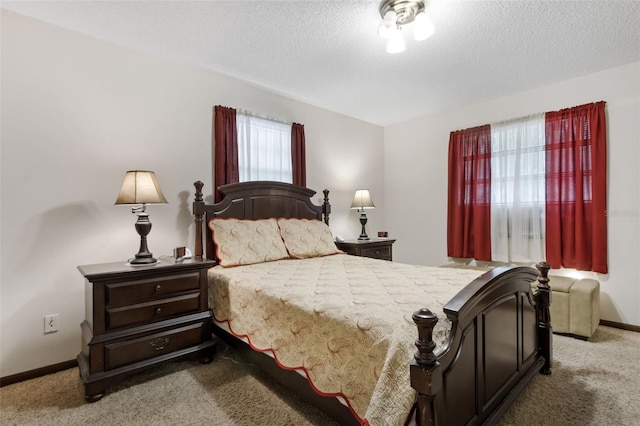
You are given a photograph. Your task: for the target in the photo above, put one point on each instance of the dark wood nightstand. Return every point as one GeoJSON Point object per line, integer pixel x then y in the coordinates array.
{"type": "Point", "coordinates": [137, 317]}
{"type": "Point", "coordinates": [377, 248]}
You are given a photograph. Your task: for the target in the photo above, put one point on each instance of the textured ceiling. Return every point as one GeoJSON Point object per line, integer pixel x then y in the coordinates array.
{"type": "Point", "coordinates": [327, 53]}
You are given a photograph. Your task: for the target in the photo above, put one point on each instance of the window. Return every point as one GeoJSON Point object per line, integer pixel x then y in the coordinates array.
{"type": "Point", "coordinates": [264, 149]}
{"type": "Point", "coordinates": [546, 177]}
{"type": "Point", "coordinates": [249, 148]}
{"type": "Point", "coordinates": [518, 190]}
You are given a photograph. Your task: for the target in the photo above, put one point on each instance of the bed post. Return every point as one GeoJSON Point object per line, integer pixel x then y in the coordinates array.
{"type": "Point", "coordinates": [543, 300]}
{"type": "Point", "coordinates": [198, 212]}
{"type": "Point", "coordinates": [326, 207]}
{"type": "Point", "coordinates": [426, 375]}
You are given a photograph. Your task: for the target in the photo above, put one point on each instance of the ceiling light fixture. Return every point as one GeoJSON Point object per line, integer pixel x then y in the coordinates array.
{"type": "Point", "coordinates": [396, 14]}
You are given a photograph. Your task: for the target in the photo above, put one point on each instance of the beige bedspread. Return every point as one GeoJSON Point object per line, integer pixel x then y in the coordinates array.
{"type": "Point", "coordinates": [344, 320]}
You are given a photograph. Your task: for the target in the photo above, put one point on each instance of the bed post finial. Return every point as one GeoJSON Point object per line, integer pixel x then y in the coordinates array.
{"type": "Point", "coordinates": [425, 321]}
{"type": "Point", "coordinates": [426, 376]}
{"type": "Point", "coordinates": [199, 185]}
{"type": "Point", "coordinates": [198, 212]}
{"type": "Point", "coordinates": [543, 301]}
{"type": "Point", "coordinates": [326, 207]}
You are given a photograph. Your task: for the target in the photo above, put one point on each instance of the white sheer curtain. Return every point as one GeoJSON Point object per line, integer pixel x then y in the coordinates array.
{"type": "Point", "coordinates": [518, 190]}
{"type": "Point", "coordinates": [264, 149]}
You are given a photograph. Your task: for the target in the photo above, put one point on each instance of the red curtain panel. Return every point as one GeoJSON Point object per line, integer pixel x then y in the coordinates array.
{"type": "Point", "coordinates": [298, 155]}
{"type": "Point", "coordinates": [576, 174]}
{"type": "Point", "coordinates": [226, 149]}
{"type": "Point", "coordinates": [469, 203]}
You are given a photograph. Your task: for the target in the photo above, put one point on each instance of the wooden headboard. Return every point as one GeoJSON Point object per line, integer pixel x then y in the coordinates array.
{"type": "Point", "coordinates": [254, 200]}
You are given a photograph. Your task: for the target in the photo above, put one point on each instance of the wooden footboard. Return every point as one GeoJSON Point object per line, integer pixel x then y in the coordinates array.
{"type": "Point", "coordinates": [500, 338]}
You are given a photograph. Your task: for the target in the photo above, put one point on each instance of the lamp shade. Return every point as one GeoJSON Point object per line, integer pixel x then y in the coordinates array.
{"type": "Point", "coordinates": [388, 24]}
{"type": "Point", "coordinates": [140, 187]}
{"type": "Point", "coordinates": [422, 27]}
{"type": "Point", "coordinates": [362, 200]}
{"type": "Point", "coordinates": [396, 42]}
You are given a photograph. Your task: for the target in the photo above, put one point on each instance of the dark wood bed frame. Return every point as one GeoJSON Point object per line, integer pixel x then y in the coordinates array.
{"type": "Point", "coordinates": [499, 340]}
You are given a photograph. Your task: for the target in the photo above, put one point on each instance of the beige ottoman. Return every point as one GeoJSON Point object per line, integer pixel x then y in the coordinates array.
{"type": "Point", "coordinates": [575, 305]}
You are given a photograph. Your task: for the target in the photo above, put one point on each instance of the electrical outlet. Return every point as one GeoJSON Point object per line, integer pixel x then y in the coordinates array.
{"type": "Point", "coordinates": [51, 323]}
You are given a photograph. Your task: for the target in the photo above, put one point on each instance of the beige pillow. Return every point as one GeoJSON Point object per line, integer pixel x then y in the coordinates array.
{"type": "Point", "coordinates": [243, 242]}
{"type": "Point", "coordinates": [307, 238]}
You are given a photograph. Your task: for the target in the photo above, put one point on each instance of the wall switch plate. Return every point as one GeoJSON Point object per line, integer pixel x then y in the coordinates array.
{"type": "Point", "coordinates": [51, 323]}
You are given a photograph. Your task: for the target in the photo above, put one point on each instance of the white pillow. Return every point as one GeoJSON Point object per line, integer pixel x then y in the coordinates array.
{"type": "Point", "coordinates": [305, 238]}
{"type": "Point", "coordinates": [243, 242]}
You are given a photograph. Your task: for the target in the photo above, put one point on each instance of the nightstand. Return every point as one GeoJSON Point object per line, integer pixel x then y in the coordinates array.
{"type": "Point", "coordinates": [137, 317]}
{"type": "Point", "coordinates": [377, 248]}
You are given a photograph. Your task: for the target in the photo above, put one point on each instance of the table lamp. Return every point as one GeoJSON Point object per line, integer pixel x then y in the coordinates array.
{"type": "Point", "coordinates": [141, 187]}
{"type": "Point", "coordinates": [362, 201]}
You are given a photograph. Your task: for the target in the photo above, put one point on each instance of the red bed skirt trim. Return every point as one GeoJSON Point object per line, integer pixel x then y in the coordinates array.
{"type": "Point", "coordinates": [363, 422]}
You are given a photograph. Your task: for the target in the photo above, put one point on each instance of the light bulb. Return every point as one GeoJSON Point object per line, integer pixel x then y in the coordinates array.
{"type": "Point", "coordinates": [396, 42]}
{"type": "Point", "coordinates": [387, 25]}
{"type": "Point", "coordinates": [422, 27]}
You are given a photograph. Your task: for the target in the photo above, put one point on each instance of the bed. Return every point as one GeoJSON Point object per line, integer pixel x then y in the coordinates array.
{"type": "Point", "coordinates": [471, 349]}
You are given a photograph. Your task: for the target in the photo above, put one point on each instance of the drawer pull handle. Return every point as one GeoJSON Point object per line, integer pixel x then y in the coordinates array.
{"type": "Point", "coordinates": [158, 287]}
{"type": "Point", "coordinates": [160, 343]}
{"type": "Point", "coordinates": [377, 251]}
{"type": "Point", "coordinates": [158, 310]}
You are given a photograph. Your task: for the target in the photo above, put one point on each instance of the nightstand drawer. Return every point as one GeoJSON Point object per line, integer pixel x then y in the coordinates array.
{"type": "Point", "coordinates": [156, 310]}
{"type": "Point", "coordinates": [135, 291]}
{"type": "Point", "coordinates": [377, 252]}
{"type": "Point", "coordinates": [129, 351]}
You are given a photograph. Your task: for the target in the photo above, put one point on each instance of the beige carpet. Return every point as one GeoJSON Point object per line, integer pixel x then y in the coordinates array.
{"type": "Point", "coordinates": [593, 383]}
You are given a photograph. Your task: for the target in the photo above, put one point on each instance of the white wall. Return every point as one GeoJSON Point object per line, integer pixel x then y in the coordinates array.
{"type": "Point", "coordinates": [76, 114]}
{"type": "Point", "coordinates": [416, 155]}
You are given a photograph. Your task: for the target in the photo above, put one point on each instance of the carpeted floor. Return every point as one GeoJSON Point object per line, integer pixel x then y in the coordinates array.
{"type": "Point", "coordinates": [593, 383]}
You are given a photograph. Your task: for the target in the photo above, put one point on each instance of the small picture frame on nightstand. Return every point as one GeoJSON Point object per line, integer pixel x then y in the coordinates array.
{"type": "Point", "coordinates": [181, 253]}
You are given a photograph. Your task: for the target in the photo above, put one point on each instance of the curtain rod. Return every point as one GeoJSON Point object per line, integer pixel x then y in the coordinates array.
{"type": "Point", "coordinates": [526, 117]}
{"type": "Point", "coordinates": [262, 116]}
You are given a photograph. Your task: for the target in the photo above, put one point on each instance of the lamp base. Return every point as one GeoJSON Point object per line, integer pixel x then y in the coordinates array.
{"type": "Point", "coordinates": [142, 259]}
{"type": "Point", "coordinates": [363, 221]}
{"type": "Point", "coordinates": [143, 226]}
